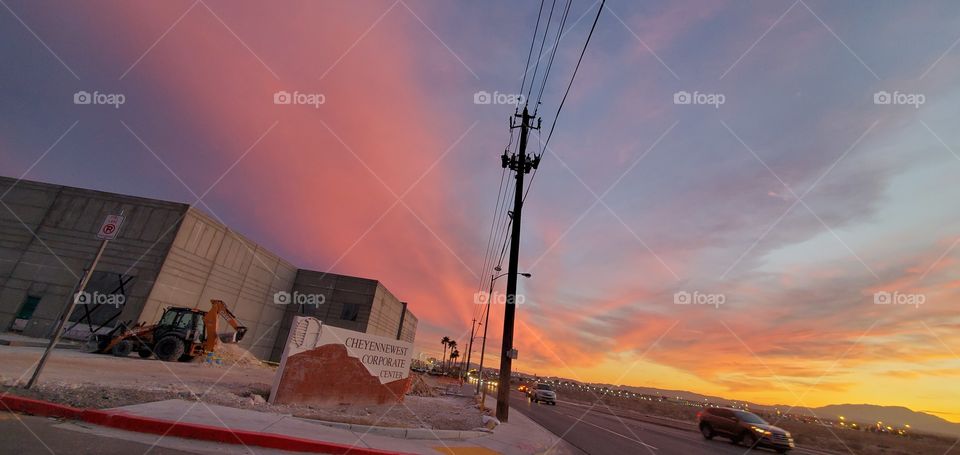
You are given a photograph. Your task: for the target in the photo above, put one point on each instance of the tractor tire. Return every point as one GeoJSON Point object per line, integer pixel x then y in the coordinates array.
{"type": "Point", "coordinates": [145, 353]}
{"type": "Point", "coordinates": [91, 345]}
{"type": "Point", "coordinates": [186, 358]}
{"type": "Point", "coordinates": [169, 348]}
{"type": "Point", "coordinates": [122, 349]}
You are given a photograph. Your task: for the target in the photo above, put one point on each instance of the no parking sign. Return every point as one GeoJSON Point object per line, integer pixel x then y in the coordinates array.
{"type": "Point", "coordinates": [110, 227]}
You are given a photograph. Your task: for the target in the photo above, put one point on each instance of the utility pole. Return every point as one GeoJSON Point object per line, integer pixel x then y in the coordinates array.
{"type": "Point", "coordinates": [483, 347]}
{"type": "Point", "coordinates": [521, 164]}
{"type": "Point", "coordinates": [473, 334]}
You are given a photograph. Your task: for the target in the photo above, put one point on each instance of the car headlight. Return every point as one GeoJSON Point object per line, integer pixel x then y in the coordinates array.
{"type": "Point", "coordinates": [762, 431]}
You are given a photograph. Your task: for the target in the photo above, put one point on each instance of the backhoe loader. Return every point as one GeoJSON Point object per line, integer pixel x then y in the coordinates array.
{"type": "Point", "coordinates": [182, 334]}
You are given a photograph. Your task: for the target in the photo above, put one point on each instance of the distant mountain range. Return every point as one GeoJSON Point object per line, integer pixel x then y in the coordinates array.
{"type": "Point", "coordinates": [892, 415]}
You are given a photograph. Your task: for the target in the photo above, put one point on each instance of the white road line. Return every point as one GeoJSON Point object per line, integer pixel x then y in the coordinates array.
{"type": "Point", "coordinates": [611, 431]}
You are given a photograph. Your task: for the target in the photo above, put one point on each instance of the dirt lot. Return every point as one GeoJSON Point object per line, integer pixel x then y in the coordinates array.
{"type": "Point", "coordinates": [101, 381]}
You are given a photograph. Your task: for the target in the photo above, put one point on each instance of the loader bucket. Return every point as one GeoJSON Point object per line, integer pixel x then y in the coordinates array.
{"type": "Point", "coordinates": [233, 337]}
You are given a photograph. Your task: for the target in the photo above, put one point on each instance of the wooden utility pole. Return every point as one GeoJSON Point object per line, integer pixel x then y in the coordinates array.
{"type": "Point", "coordinates": [521, 164]}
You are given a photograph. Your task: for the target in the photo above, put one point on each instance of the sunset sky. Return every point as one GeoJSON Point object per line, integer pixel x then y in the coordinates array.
{"type": "Point", "coordinates": [797, 199]}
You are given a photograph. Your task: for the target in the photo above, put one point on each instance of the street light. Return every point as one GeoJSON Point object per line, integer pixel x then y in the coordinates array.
{"type": "Point", "coordinates": [475, 324]}
{"type": "Point", "coordinates": [486, 322]}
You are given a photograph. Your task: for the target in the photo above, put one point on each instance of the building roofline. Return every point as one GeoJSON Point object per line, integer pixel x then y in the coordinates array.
{"type": "Point", "coordinates": [187, 208]}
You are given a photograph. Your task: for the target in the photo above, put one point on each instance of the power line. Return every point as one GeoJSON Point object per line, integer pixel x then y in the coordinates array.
{"type": "Point", "coordinates": [526, 67]}
{"type": "Point", "coordinates": [567, 92]}
{"type": "Point", "coordinates": [496, 209]}
{"type": "Point", "coordinates": [553, 55]}
{"type": "Point", "coordinates": [540, 52]}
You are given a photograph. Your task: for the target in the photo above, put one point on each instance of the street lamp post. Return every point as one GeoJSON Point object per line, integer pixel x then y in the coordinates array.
{"type": "Point", "coordinates": [473, 335]}
{"type": "Point", "coordinates": [486, 323]}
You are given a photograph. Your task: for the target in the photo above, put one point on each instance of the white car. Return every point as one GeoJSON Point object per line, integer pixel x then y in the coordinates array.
{"type": "Point", "coordinates": [542, 393]}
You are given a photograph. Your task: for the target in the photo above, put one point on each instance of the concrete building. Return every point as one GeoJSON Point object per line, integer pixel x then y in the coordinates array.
{"type": "Point", "coordinates": [354, 303]}
{"type": "Point", "coordinates": [167, 254]}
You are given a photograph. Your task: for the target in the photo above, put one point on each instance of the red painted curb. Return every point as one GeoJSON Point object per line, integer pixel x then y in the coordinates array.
{"type": "Point", "coordinates": [140, 424]}
{"type": "Point", "coordinates": [40, 408]}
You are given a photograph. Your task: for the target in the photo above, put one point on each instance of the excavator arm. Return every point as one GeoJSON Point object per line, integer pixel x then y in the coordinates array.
{"type": "Point", "coordinates": [211, 321]}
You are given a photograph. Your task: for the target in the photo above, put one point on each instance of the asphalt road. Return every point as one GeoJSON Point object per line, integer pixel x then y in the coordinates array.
{"type": "Point", "coordinates": [597, 433]}
{"type": "Point", "coordinates": [28, 435]}
{"type": "Point", "coordinates": [25, 435]}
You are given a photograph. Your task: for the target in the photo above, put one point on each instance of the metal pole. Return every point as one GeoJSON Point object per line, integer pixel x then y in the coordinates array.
{"type": "Point", "coordinates": [473, 334]}
{"type": "Point", "coordinates": [66, 315]}
{"type": "Point", "coordinates": [483, 347]}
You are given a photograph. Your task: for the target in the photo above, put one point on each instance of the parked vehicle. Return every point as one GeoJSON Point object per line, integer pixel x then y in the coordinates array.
{"type": "Point", "coordinates": [743, 427]}
{"type": "Point", "coordinates": [542, 393]}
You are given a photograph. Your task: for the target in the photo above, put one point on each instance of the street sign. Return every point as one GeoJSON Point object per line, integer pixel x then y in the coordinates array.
{"type": "Point", "coordinates": [512, 354]}
{"type": "Point", "coordinates": [110, 227]}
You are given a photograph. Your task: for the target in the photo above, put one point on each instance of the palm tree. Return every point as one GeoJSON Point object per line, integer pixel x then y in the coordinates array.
{"type": "Point", "coordinates": [446, 342]}
{"type": "Point", "coordinates": [454, 355]}
{"type": "Point", "coordinates": [453, 345]}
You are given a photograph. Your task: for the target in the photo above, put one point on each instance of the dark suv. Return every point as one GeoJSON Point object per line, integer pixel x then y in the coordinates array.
{"type": "Point", "coordinates": [743, 427]}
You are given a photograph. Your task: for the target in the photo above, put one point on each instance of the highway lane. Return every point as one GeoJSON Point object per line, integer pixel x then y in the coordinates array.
{"type": "Point", "coordinates": [597, 433]}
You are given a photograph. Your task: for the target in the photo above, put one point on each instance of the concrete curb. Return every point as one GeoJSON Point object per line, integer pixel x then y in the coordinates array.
{"type": "Point", "coordinates": [405, 433]}
{"type": "Point", "coordinates": [129, 422]}
{"type": "Point", "coordinates": [35, 344]}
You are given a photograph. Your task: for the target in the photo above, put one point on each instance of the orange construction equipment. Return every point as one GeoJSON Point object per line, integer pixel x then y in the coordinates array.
{"type": "Point", "coordinates": [181, 334]}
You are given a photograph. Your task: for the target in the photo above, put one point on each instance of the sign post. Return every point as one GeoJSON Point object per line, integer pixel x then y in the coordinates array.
{"type": "Point", "coordinates": [108, 231]}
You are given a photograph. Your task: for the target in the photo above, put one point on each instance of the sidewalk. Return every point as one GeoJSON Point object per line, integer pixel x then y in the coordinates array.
{"type": "Point", "coordinates": [16, 339]}
{"type": "Point", "coordinates": [520, 436]}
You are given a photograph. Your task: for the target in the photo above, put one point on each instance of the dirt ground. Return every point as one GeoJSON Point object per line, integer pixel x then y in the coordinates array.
{"type": "Point", "coordinates": [102, 381]}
